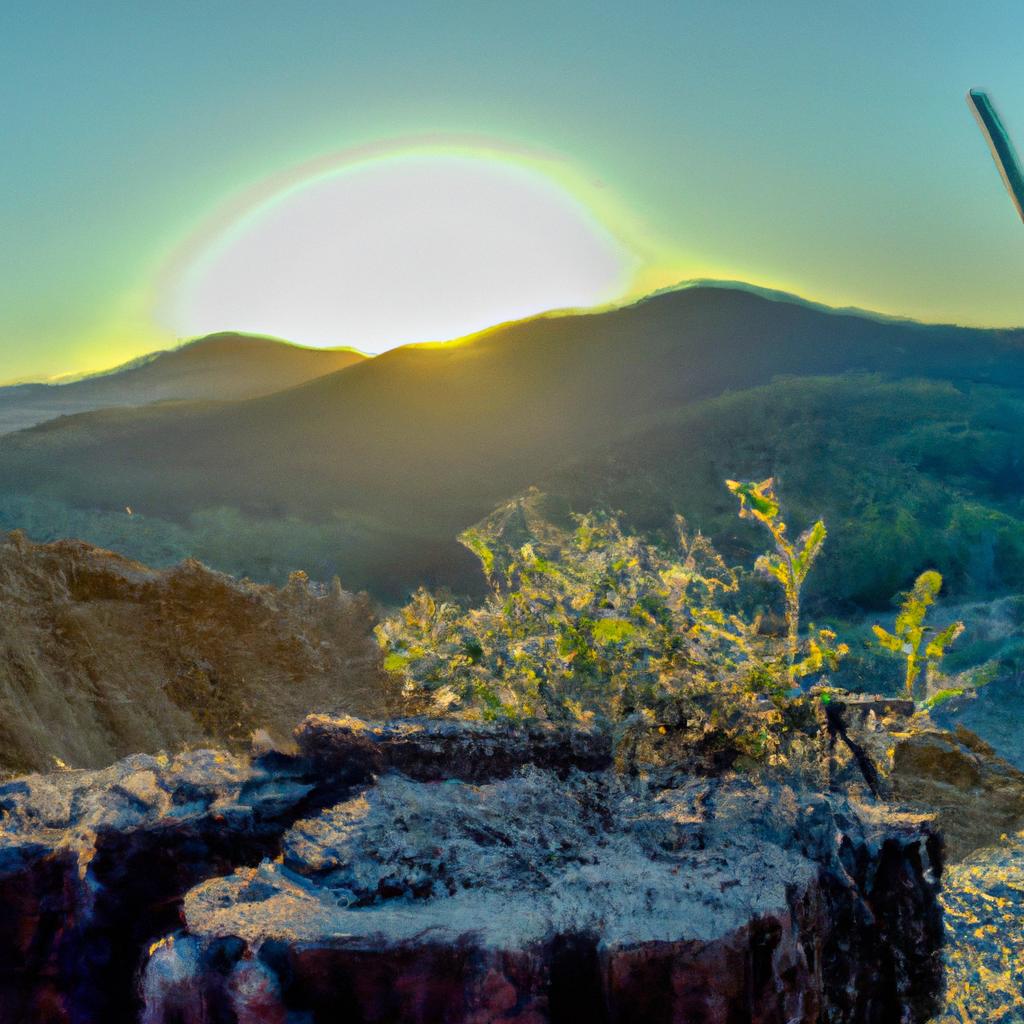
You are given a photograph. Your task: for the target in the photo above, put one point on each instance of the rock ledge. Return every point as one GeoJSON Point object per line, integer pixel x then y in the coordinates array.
{"type": "Point", "coordinates": [441, 871]}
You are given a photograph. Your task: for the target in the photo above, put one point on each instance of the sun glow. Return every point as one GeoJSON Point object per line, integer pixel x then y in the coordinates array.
{"type": "Point", "coordinates": [398, 247]}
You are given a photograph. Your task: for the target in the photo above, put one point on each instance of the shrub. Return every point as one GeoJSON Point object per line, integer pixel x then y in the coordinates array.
{"type": "Point", "coordinates": [789, 564]}
{"type": "Point", "coordinates": [594, 624]}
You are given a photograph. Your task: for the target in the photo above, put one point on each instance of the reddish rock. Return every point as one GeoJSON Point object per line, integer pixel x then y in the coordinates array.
{"type": "Point", "coordinates": [539, 898]}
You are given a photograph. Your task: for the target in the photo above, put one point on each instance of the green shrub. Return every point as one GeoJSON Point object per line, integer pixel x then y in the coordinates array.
{"type": "Point", "coordinates": [594, 624]}
{"type": "Point", "coordinates": [789, 565]}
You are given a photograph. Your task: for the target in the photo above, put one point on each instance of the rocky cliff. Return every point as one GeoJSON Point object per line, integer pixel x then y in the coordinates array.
{"type": "Point", "coordinates": [444, 871]}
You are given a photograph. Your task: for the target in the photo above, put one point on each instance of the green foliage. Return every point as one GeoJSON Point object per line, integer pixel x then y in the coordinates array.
{"type": "Point", "coordinates": [581, 622]}
{"type": "Point", "coordinates": [905, 474]}
{"type": "Point", "coordinates": [910, 633]}
{"type": "Point", "coordinates": [265, 548]}
{"type": "Point", "coordinates": [594, 624]}
{"type": "Point", "coordinates": [789, 564]}
{"type": "Point", "coordinates": [943, 688]}
{"type": "Point", "coordinates": [823, 652]}
{"type": "Point", "coordinates": [941, 697]}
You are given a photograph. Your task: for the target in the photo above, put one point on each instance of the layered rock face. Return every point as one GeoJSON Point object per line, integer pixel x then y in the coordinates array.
{"type": "Point", "coordinates": [979, 796]}
{"type": "Point", "coordinates": [975, 795]}
{"type": "Point", "coordinates": [442, 871]}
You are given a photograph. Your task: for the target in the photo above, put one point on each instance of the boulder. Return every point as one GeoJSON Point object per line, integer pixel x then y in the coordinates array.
{"type": "Point", "coordinates": [429, 749]}
{"type": "Point", "coordinates": [977, 795]}
{"type": "Point", "coordinates": [436, 870]}
{"type": "Point", "coordinates": [93, 865]}
{"type": "Point", "coordinates": [549, 893]}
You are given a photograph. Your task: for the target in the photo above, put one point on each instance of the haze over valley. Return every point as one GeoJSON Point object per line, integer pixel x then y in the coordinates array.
{"type": "Point", "coordinates": [376, 467]}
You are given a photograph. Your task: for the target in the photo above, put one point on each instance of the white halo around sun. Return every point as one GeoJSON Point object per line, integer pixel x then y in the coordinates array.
{"type": "Point", "coordinates": [410, 247]}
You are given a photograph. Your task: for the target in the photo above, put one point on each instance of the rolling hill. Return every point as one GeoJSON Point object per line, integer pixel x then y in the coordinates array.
{"type": "Point", "coordinates": [220, 366]}
{"type": "Point", "coordinates": [387, 460]}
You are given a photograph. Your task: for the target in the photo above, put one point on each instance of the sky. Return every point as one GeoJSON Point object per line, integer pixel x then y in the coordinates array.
{"type": "Point", "coordinates": [825, 149]}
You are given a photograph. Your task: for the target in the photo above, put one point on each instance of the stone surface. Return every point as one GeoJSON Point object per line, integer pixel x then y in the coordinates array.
{"type": "Point", "coordinates": [431, 749]}
{"type": "Point", "coordinates": [983, 903]}
{"type": "Point", "coordinates": [978, 796]}
{"type": "Point", "coordinates": [93, 865]}
{"type": "Point", "coordinates": [553, 894]}
{"type": "Point", "coordinates": [444, 871]}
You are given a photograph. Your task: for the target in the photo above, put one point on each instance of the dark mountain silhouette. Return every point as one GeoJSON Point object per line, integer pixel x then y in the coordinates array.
{"type": "Point", "coordinates": [220, 366]}
{"type": "Point", "coordinates": [414, 445]}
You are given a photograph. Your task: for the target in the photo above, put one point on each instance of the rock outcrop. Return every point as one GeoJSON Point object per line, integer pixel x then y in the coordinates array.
{"type": "Point", "coordinates": [444, 871]}
{"type": "Point", "coordinates": [103, 657]}
{"type": "Point", "coordinates": [93, 865]}
{"type": "Point", "coordinates": [983, 905]}
{"type": "Point", "coordinates": [977, 795]}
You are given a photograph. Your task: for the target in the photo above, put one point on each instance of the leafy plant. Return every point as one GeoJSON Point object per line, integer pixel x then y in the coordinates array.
{"type": "Point", "coordinates": [823, 652]}
{"type": "Point", "coordinates": [944, 688]}
{"type": "Point", "coordinates": [578, 622]}
{"type": "Point", "coordinates": [789, 564]}
{"type": "Point", "coordinates": [910, 633]}
{"type": "Point", "coordinates": [594, 624]}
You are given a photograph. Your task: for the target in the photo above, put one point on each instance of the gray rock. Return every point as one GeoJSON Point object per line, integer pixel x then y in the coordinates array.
{"type": "Point", "coordinates": [535, 897]}
{"type": "Point", "coordinates": [429, 871]}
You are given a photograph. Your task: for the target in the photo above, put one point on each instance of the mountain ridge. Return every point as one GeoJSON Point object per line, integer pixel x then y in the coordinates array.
{"type": "Point", "coordinates": [391, 457]}
{"type": "Point", "coordinates": [225, 365]}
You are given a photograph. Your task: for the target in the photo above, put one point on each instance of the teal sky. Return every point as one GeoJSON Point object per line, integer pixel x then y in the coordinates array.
{"type": "Point", "coordinates": [822, 148]}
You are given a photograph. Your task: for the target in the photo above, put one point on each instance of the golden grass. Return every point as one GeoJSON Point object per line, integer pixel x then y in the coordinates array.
{"type": "Point", "coordinates": [101, 656]}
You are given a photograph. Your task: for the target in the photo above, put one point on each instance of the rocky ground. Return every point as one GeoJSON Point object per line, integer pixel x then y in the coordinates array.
{"type": "Point", "coordinates": [101, 657]}
{"type": "Point", "coordinates": [445, 871]}
{"type": "Point", "coordinates": [983, 905]}
{"type": "Point", "coordinates": [978, 802]}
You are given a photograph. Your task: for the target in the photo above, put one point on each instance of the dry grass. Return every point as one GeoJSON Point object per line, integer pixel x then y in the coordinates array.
{"type": "Point", "coordinates": [101, 656]}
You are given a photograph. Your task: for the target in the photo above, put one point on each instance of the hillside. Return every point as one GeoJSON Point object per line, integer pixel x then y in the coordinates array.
{"type": "Point", "coordinates": [220, 366]}
{"type": "Point", "coordinates": [376, 468]}
{"type": "Point", "coordinates": [908, 474]}
{"type": "Point", "coordinates": [103, 657]}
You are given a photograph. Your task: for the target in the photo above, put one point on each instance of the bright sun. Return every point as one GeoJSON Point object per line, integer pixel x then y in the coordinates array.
{"type": "Point", "coordinates": [402, 248]}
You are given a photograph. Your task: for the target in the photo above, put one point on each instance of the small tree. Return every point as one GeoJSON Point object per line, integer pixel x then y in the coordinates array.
{"type": "Point", "coordinates": [909, 632]}
{"type": "Point", "coordinates": [789, 563]}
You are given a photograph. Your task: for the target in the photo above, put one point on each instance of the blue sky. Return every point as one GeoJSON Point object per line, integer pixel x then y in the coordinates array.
{"type": "Point", "coordinates": [826, 149]}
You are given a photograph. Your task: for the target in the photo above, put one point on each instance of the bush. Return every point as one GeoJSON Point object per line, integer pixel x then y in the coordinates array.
{"type": "Point", "coordinates": [596, 625]}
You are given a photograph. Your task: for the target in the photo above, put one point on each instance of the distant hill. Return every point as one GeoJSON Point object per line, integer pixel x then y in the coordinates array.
{"type": "Point", "coordinates": [220, 366]}
{"type": "Point", "coordinates": [390, 458]}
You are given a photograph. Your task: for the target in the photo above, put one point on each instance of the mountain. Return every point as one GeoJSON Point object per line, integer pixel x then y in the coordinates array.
{"type": "Point", "coordinates": [383, 463]}
{"type": "Point", "coordinates": [220, 366]}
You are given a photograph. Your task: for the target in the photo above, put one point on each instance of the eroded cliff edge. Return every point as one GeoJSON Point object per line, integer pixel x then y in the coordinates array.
{"type": "Point", "coordinates": [446, 871]}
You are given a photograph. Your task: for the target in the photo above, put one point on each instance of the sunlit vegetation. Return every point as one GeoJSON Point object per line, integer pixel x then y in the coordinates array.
{"type": "Point", "coordinates": [789, 565]}
{"type": "Point", "coordinates": [908, 475]}
{"type": "Point", "coordinates": [589, 622]}
{"type": "Point", "coordinates": [919, 645]}
{"type": "Point", "coordinates": [598, 625]}
{"type": "Point", "coordinates": [104, 657]}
